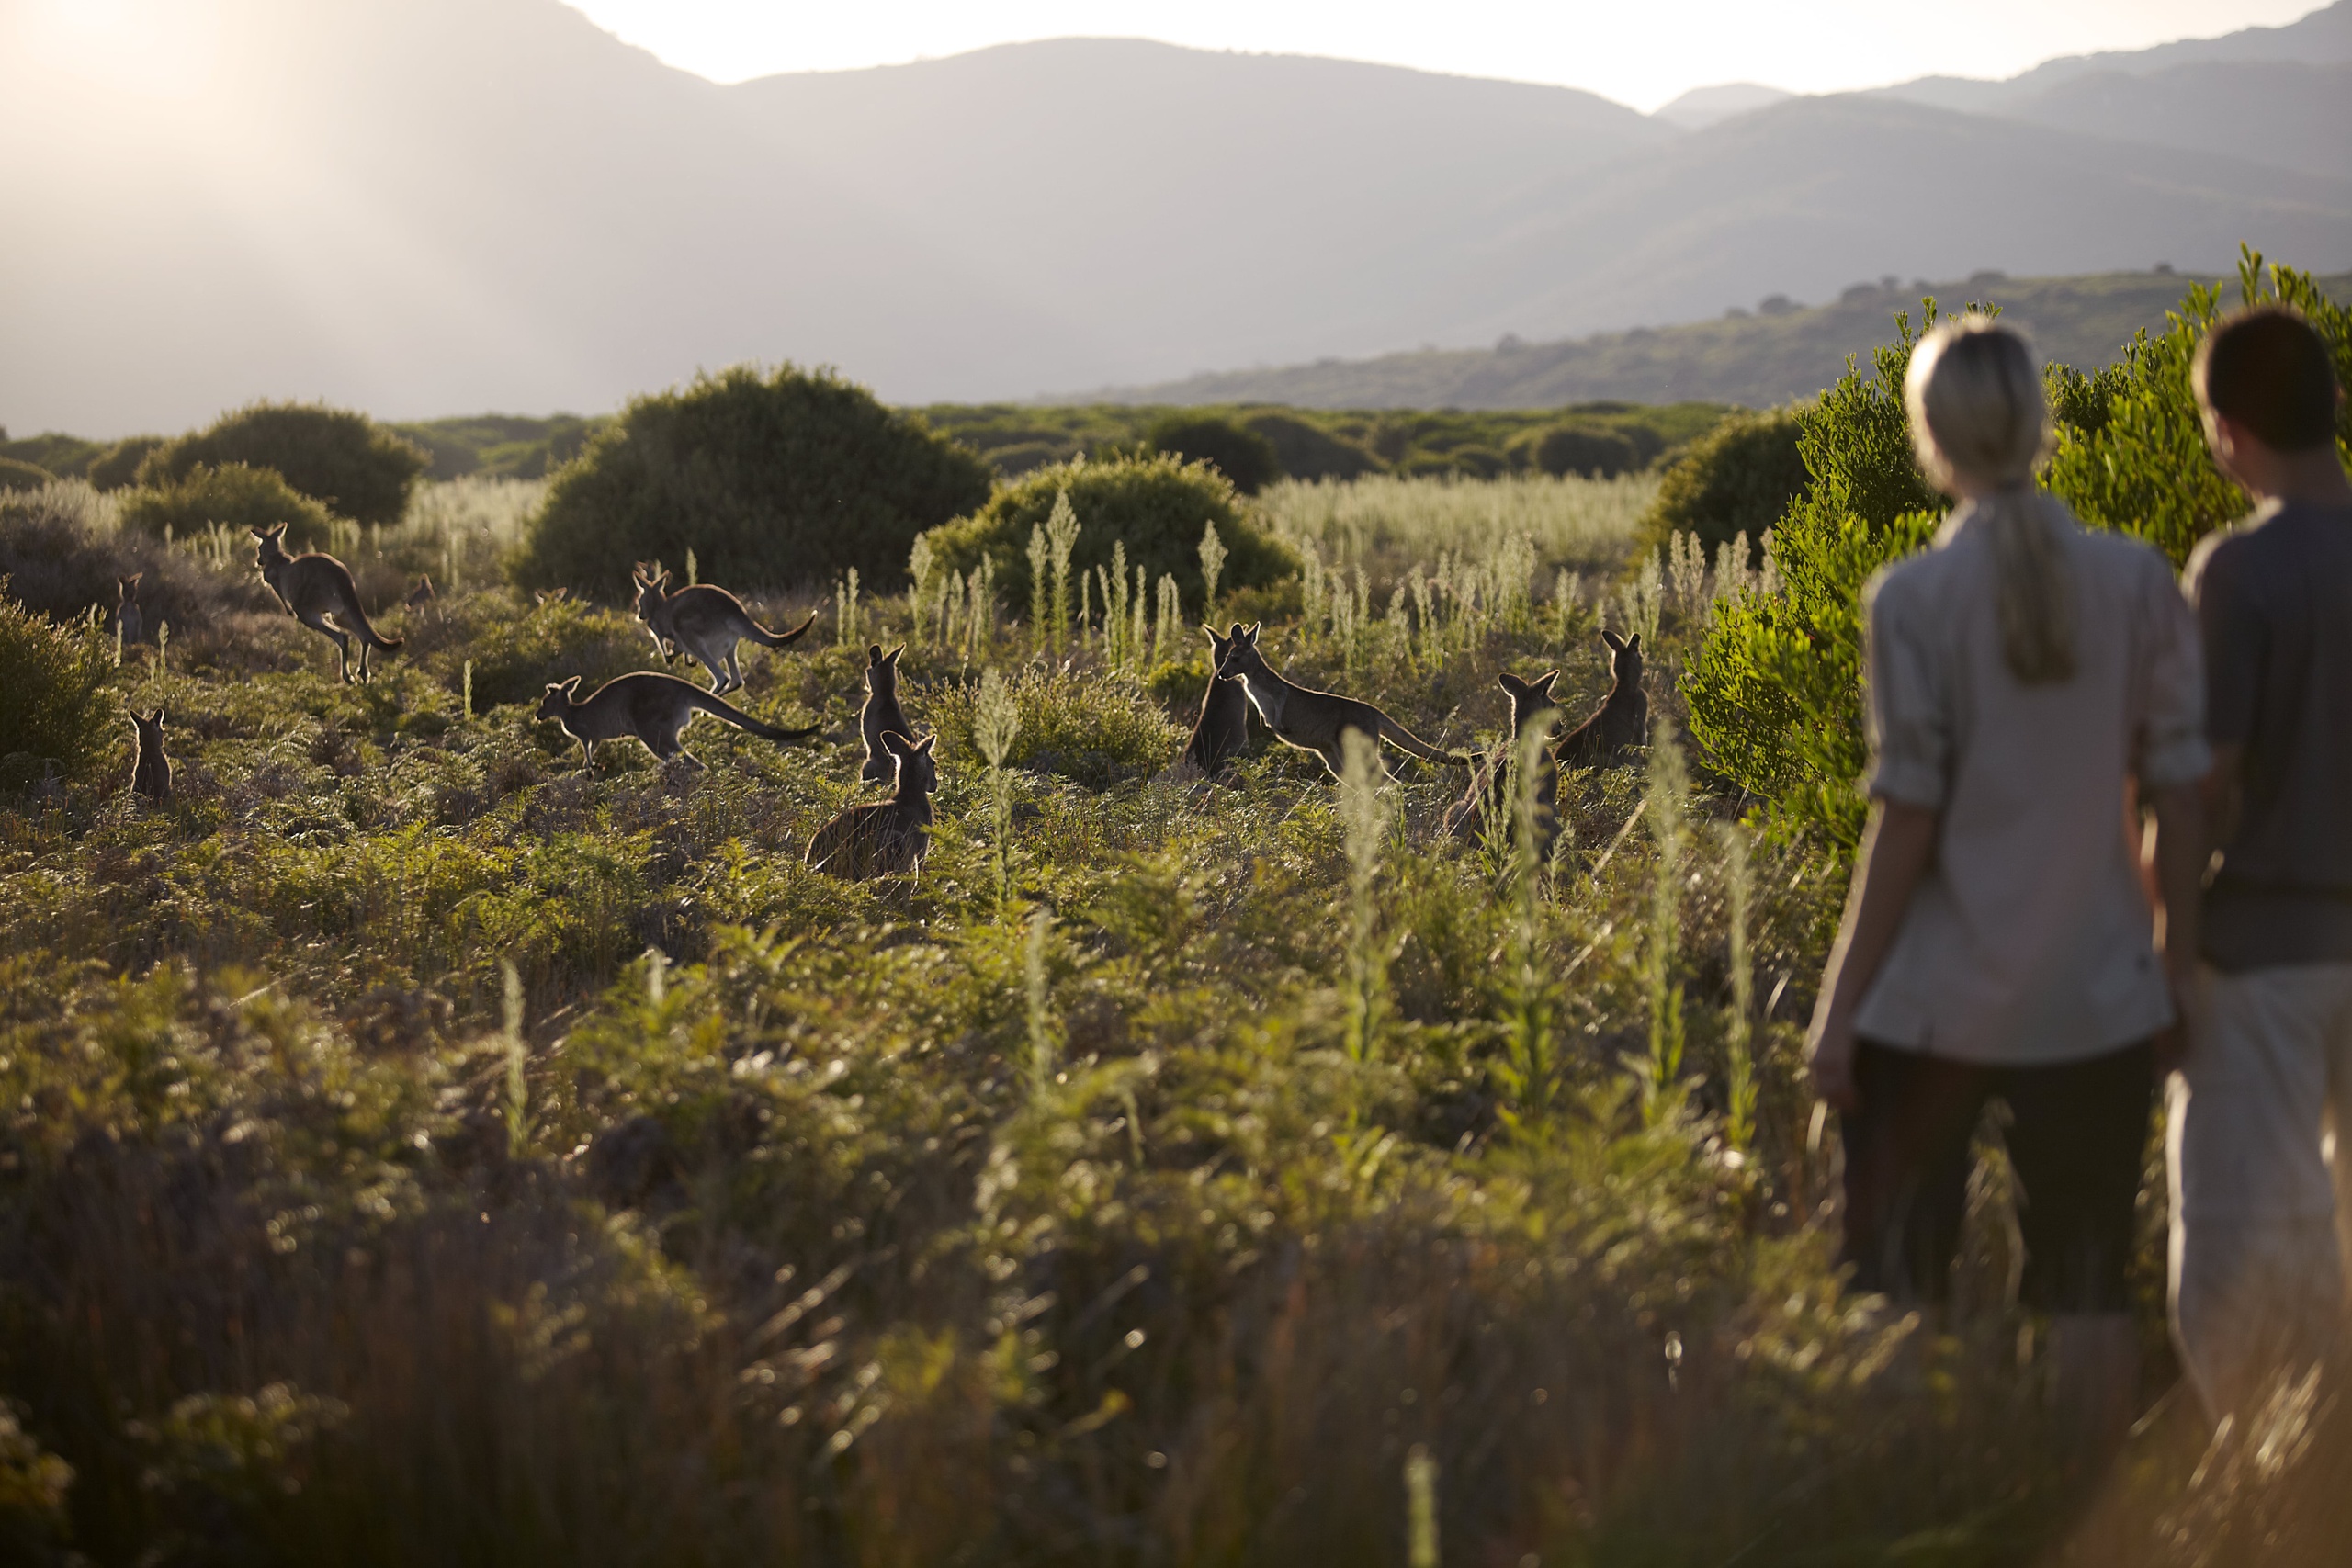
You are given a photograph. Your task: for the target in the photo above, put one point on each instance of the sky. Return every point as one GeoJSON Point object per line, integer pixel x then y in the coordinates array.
{"type": "Point", "coordinates": [1643, 53]}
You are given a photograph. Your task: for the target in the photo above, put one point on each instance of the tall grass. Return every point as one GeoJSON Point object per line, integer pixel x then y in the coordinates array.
{"type": "Point", "coordinates": [1387, 523]}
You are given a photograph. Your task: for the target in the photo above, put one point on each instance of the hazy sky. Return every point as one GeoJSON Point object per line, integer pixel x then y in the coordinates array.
{"type": "Point", "coordinates": [1643, 53]}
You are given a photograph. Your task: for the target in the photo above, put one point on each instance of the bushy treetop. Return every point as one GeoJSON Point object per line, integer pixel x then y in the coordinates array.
{"type": "Point", "coordinates": [1240, 454]}
{"type": "Point", "coordinates": [1740, 477]}
{"type": "Point", "coordinates": [236, 496]}
{"type": "Point", "coordinates": [345, 460]}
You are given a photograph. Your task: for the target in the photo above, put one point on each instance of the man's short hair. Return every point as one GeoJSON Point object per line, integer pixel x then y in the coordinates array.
{"type": "Point", "coordinates": [2267, 370]}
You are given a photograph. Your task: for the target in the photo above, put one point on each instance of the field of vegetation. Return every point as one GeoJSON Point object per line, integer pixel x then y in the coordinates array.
{"type": "Point", "coordinates": [415, 1147]}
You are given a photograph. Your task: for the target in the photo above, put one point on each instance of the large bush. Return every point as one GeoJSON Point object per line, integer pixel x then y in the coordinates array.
{"type": "Point", "coordinates": [62, 554]}
{"type": "Point", "coordinates": [335, 456]}
{"type": "Point", "coordinates": [1774, 691]}
{"type": "Point", "coordinates": [118, 466]}
{"type": "Point", "coordinates": [54, 712]}
{"type": "Point", "coordinates": [16, 474]}
{"type": "Point", "coordinates": [771, 481]}
{"type": "Point", "coordinates": [1240, 454]}
{"type": "Point", "coordinates": [1740, 477]}
{"type": "Point", "coordinates": [1157, 506]}
{"type": "Point", "coordinates": [1583, 449]}
{"type": "Point", "coordinates": [1308, 451]}
{"type": "Point", "coordinates": [234, 495]}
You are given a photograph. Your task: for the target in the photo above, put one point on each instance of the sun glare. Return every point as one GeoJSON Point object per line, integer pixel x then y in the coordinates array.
{"type": "Point", "coordinates": [142, 49]}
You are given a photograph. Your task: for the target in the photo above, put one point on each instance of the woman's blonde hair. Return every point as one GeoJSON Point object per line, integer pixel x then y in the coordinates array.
{"type": "Point", "coordinates": [1978, 415]}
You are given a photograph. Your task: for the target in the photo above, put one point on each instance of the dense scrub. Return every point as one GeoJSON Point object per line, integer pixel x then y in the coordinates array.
{"type": "Point", "coordinates": [412, 1148]}
{"type": "Point", "coordinates": [234, 498]}
{"type": "Point", "coordinates": [1737, 479]}
{"type": "Point", "coordinates": [343, 460]}
{"type": "Point", "coordinates": [779, 480]}
{"type": "Point", "coordinates": [1243, 456]}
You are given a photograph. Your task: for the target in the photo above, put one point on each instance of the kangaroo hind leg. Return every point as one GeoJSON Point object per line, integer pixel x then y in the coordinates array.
{"type": "Point", "coordinates": [318, 623]}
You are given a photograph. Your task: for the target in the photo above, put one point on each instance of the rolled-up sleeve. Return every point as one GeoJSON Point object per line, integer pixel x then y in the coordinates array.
{"type": "Point", "coordinates": [2171, 747]}
{"type": "Point", "coordinates": [1910, 724]}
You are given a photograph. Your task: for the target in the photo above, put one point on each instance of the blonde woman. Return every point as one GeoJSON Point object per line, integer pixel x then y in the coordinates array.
{"type": "Point", "coordinates": [2025, 677]}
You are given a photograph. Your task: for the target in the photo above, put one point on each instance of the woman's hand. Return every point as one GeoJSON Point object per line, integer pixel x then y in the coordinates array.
{"type": "Point", "coordinates": [1829, 1057]}
{"type": "Point", "coordinates": [1897, 848]}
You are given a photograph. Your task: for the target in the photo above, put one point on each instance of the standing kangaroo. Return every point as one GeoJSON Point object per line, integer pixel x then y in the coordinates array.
{"type": "Point", "coordinates": [127, 617]}
{"type": "Point", "coordinates": [1223, 728]}
{"type": "Point", "coordinates": [654, 707]}
{"type": "Point", "coordinates": [1622, 721]}
{"type": "Point", "coordinates": [1531, 708]}
{"type": "Point", "coordinates": [313, 586]}
{"type": "Point", "coordinates": [881, 716]}
{"type": "Point", "coordinates": [151, 775]}
{"type": "Point", "coordinates": [1312, 720]}
{"type": "Point", "coordinates": [422, 594]}
{"type": "Point", "coordinates": [884, 837]}
{"type": "Point", "coordinates": [705, 623]}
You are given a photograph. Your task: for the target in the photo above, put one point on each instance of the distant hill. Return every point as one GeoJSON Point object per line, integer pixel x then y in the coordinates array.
{"type": "Point", "coordinates": [1704, 106]}
{"type": "Point", "coordinates": [411, 206]}
{"type": "Point", "coordinates": [1749, 358]}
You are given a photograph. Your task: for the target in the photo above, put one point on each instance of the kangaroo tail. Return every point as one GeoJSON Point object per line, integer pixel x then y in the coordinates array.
{"type": "Point", "coordinates": [767, 638]}
{"type": "Point", "coordinates": [1391, 730]}
{"type": "Point", "coordinates": [721, 708]}
{"type": "Point", "coordinates": [362, 625]}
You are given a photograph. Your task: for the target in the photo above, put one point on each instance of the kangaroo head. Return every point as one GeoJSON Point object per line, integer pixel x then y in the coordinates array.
{"type": "Point", "coordinates": [128, 587]}
{"type": "Point", "coordinates": [1528, 698]}
{"type": "Point", "coordinates": [918, 772]}
{"type": "Point", "coordinates": [1625, 658]}
{"type": "Point", "coordinates": [649, 593]}
{"type": "Point", "coordinates": [151, 729]}
{"type": "Point", "coordinates": [1241, 656]}
{"type": "Point", "coordinates": [273, 545]}
{"type": "Point", "coordinates": [558, 702]}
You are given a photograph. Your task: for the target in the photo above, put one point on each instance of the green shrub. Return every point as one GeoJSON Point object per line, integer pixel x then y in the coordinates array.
{"type": "Point", "coordinates": [2131, 451]}
{"type": "Point", "coordinates": [1308, 451]}
{"type": "Point", "coordinates": [56, 713]}
{"type": "Point", "coordinates": [1584, 449]}
{"type": "Point", "coordinates": [771, 481]}
{"type": "Point", "coordinates": [1740, 477]}
{"type": "Point", "coordinates": [67, 456]}
{"type": "Point", "coordinates": [1157, 506]}
{"type": "Point", "coordinates": [1238, 452]}
{"type": "Point", "coordinates": [118, 466]}
{"type": "Point", "coordinates": [16, 474]}
{"type": "Point", "coordinates": [1095, 730]}
{"type": "Point", "coordinates": [1775, 689]}
{"type": "Point", "coordinates": [236, 496]}
{"type": "Point", "coordinates": [342, 459]}
{"type": "Point", "coordinates": [516, 648]}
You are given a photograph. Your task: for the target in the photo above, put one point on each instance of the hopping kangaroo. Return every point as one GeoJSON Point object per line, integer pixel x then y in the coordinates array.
{"type": "Point", "coordinates": [1530, 708]}
{"type": "Point", "coordinates": [1312, 720]}
{"type": "Point", "coordinates": [127, 617]}
{"type": "Point", "coordinates": [654, 707]}
{"type": "Point", "coordinates": [313, 586]}
{"type": "Point", "coordinates": [884, 837]}
{"type": "Point", "coordinates": [881, 716]}
{"type": "Point", "coordinates": [1623, 720]}
{"type": "Point", "coordinates": [705, 624]}
{"type": "Point", "coordinates": [151, 776]}
{"type": "Point", "coordinates": [1223, 728]}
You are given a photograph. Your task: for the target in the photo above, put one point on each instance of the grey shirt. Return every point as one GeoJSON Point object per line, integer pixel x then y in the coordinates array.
{"type": "Point", "coordinates": [2030, 939]}
{"type": "Point", "coordinates": [2275, 597]}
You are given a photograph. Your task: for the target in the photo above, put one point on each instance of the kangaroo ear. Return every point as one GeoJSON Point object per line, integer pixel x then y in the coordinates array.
{"type": "Point", "coordinates": [1235, 631]}
{"type": "Point", "coordinates": [925, 745]}
{"type": "Point", "coordinates": [1252, 633]}
{"type": "Point", "coordinates": [1635, 645]}
{"type": "Point", "coordinates": [892, 657]}
{"type": "Point", "coordinates": [1543, 682]}
{"type": "Point", "coordinates": [873, 654]}
{"type": "Point", "coordinates": [1616, 642]}
{"type": "Point", "coordinates": [1510, 683]}
{"type": "Point", "coordinates": [572, 684]}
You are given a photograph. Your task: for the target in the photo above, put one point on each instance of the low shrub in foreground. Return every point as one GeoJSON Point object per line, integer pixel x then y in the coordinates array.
{"type": "Point", "coordinates": [56, 712]}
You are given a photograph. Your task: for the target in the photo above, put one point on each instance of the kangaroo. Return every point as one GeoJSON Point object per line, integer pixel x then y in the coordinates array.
{"type": "Point", "coordinates": [313, 586]}
{"type": "Point", "coordinates": [1223, 728]}
{"type": "Point", "coordinates": [1312, 720]}
{"type": "Point", "coordinates": [883, 837]}
{"type": "Point", "coordinates": [127, 617]}
{"type": "Point", "coordinates": [705, 623]}
{"type": "Point", "coordinates": [1623, 720]}
{"type": "Point", "coordinates": [151, 776]}
{"type": "Point", "coordinates": [881, 716]}
{"type": "Point", "coordinates": [654, 707]}
{"type": "Point", "coordinates": [1531, 706]}
{"type": "Point", "coordinates": [422, 594]}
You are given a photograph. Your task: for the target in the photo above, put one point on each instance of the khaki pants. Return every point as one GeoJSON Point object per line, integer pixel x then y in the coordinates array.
{"type": "Point", "coordinates": [2257, 1281]}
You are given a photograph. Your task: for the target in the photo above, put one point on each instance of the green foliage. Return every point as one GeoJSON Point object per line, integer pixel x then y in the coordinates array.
{"type": "Point", "coordinates": [1156, 506]}
{"type": "Point", "coordinates": [344, 460]}
{"type": "Point", "coordinates": [1775, 689]}
{"type": "Point", "coordinates": [1740, 477]}
{"type": "Point", "coordinates": [118, 466]}
{"type": "Point", "coordinates": [236, 497]}
{"type": "Point", "coordinates": [55, 711]}
{"type": "Point", "coordinates": [68, 456]}
{"type": "Point", "coordinates": [16, 474]}
{"type": "Point", "coordinates": [1581, 449]}
{"type": "Point", "coordinates": [2132, 452]}
{"type": "Point", "coordinates": [790, 478]}
{"type": "Point", "coordinates": [1242, 454]}
{"type": "Point", "coordinates": [1306, 450]}
{"type": "Point", "coordinates": [1094, 730]}
{"type": "Point", "coordinates": [517, 647]}
{"type": "Point", "coordinates": [500, 446]}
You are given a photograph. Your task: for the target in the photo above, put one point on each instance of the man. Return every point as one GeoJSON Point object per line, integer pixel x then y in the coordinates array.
{"type": "Point", "coordinates": [2257, 1287]}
